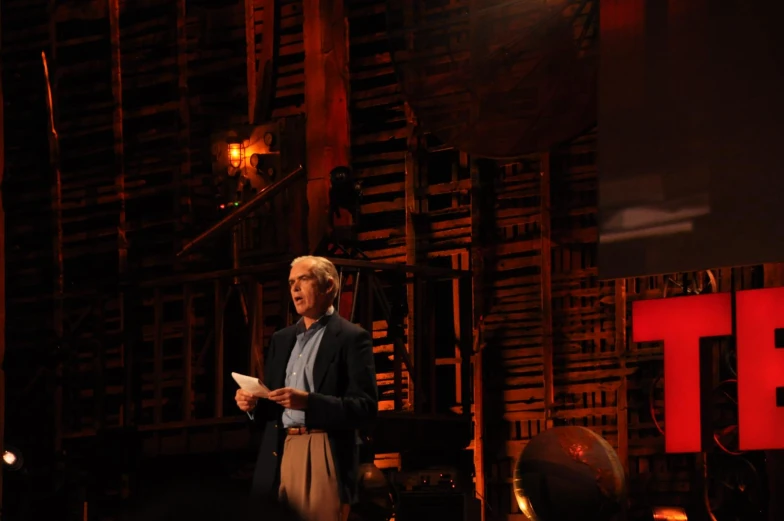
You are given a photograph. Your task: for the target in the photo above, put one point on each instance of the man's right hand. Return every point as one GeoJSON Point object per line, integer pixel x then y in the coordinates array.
{"type": "Point", "coordinates": [245, 401]}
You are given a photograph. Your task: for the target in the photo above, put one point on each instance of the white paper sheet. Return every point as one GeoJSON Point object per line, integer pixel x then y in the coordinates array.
{"type": "Point", "coordinates": [252, 385]}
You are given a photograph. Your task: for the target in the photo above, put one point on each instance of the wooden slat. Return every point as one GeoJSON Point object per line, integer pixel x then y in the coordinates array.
{"type": "Point", "coordinates": [187, 353]}
{"type": "Point", "coordinates": [266, 70]}
{"type": "Point", "coordinates": [182, 195]}
{"type": "Point", "coordinates": [55, 181]}
{"type": "Point", "coordinates": [158, 356]}
{"type": "Point", "coordinates": [412, 256]}
{"type": "Point", "coordinates": [250, 56]}
{"type": "Point", "coordinates": [2, 279]}
{"type": "Point", "coordinates": [479, 220]}
{"type": "Point", "coordinates": [117, 129]}
{"type": "Point", "coordinates": [546, 289]}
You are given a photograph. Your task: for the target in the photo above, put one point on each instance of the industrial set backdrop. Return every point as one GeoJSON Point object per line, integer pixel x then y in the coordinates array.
{"type": "Point", "coordinates": [127, 305]}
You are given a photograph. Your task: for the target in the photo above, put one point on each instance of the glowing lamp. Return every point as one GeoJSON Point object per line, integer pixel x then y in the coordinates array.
{"type": "Point", "coordinates": [12, 458]}
{"type": "Point", "coordinates": [236, 153]}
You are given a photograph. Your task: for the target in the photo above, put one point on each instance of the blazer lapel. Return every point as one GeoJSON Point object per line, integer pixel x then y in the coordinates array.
{"type": "Point", "coordinates": [327, 351]}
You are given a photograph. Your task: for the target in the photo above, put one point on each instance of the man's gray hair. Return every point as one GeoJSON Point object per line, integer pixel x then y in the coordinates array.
{"type": "Point", "coordinates": [323, 270]}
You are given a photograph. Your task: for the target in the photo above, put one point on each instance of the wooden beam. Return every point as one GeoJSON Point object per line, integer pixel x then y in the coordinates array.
{"type": "Point", "coordinates": [57, 222]}
{"type": "Point", "coordinates": [282, 268]}
{"type": "Point", "coordinates": [2, 280]}
{"type": "Point", "coordinates": [477, 266]}
{"type": "Point", "coordinates": [419, 340]}
{"type": "Point", "coordinates": [250, 57]}
{"type": "Point", "coordinates": [99, 365]}
{"type": "Point", "coordinates": [220, 307]}
{"type": "Point", "coordinates": [182, 195]}
{"type": "Point", "coordinates": [85, 10]}
{"type": "Point", "coordinates": [623, 388]}
{"type": "Point", "coordinates": [546, 281]}
{"type": "Point", "coordinates": [465, 337]}
{"type": "Point", "coordinates": [773, 274]}
{"type": "Point", "coordinates": [119, 183]}
{"type": "Point", "coordinates": [257, 329]}
{"type": "Point", "coordinates": [412, 209]}
{"type": "Point", "coordinates": [459, 261]}
{"type": "Point", "coordinates": [265, 80]}
{"type": "Point", "coordinates": [326, 104]}
{"type": "Point", "coordinates": [187, 352]}
{"type": "Point", "coordinates": [117, 127]}
{"type": "Point", "coordinates": [157, 356]}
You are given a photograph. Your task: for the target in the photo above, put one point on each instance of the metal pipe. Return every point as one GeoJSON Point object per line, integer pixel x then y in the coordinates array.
{"type": "Point", "coordinates": [281, 264]}
{"type": "Point", "coordinates": [57, 248]}
{"type": "Point", "coordinates": [243, 211]}
{"type": "Point", "coordinates": [2, 303]}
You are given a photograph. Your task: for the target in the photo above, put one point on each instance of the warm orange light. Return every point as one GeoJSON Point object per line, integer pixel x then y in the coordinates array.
{"type": "Point", "coordinates": [12, 459]}
{"type": "Point", "coordinates": [9, 458]}
{"type": "Point", "coordinates": [235, 154]}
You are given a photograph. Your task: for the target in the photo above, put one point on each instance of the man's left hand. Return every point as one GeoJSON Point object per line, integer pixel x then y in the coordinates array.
{"type": "Point", "coordinates": [290, 398]}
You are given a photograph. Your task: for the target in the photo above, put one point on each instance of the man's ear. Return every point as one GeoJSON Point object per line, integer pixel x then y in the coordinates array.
{"type": "Point", "coordinates": [330, 285]}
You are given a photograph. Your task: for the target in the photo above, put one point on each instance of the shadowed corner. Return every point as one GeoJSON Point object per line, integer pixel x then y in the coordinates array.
{"type": "Point", "coordinates": [205, 500]}
{"type": "Point", "coordinates": [204, 493]}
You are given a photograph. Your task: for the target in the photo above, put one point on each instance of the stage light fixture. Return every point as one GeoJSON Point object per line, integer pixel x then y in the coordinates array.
{"type": "Point", "coordinates": [12, 458]}
{"type": "Point", "coordinates": [236, 153]}
{"type": "Point", "coordinates": [345, 191]}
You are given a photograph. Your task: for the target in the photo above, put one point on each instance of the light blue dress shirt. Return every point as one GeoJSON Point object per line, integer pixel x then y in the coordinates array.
{"type": "Point", "coordinates": [299, 370]}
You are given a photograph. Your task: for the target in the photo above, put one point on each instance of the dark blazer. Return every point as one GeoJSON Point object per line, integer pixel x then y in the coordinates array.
{"type": "Point", "coordinates": [345, 399]}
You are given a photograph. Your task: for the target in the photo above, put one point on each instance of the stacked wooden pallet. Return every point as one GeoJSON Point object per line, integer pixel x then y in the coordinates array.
{"type": "Point", "coordinates": [510, 283]}
{"type": "Point", "coordinates": [378, 132]}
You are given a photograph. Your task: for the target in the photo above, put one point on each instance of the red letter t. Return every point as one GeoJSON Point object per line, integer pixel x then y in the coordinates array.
{"type": "Point", "coordinates": [680, 323]}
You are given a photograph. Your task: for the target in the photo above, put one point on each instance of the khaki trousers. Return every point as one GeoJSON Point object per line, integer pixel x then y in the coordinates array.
{"type": "Point", "coordinates": [308, 482]}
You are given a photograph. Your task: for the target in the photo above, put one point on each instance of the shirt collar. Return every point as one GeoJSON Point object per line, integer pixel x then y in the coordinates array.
{"type": "Point", "coordinates": [322, 320]}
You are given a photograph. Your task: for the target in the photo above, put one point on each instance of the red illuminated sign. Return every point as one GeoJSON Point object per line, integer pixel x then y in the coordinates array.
{"type": "Point", "coordinates": [680, 323]}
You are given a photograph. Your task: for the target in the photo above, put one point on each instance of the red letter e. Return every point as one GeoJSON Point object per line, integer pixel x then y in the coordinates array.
{"type": "Point", "coordinates": [760, 326]}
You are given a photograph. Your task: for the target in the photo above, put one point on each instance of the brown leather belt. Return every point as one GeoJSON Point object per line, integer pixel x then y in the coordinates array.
{"type": "Point", "coordinates": [295, 431]}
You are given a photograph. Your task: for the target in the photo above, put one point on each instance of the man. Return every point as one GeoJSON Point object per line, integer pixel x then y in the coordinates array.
{"type": "Point", "coordinates": [322, 379]}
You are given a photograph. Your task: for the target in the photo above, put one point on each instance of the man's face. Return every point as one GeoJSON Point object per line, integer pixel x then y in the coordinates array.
{"type": "Point", "coordinates": [309, 300]}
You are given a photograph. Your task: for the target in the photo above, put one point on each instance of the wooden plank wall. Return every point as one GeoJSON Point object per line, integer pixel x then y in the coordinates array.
{"type": "Point", "coordinates": [379, 134]}
{"type": "Point", "coordinates": [137, 88]}
{"type": "Point", "coordinates": [600, 379]}
{"type": "Point", "coordinates": [27, 175]}
{"type": "Point", "coordinates": [415, 205]}
{"type": "Point", "coordinates": [288, 93]}
{"type": "Point", "coordinates": [556, 339]}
